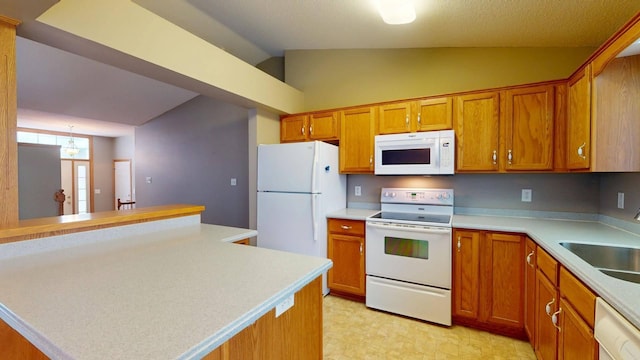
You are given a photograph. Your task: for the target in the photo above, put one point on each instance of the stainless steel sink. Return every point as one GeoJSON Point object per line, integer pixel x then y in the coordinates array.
{"type": "Point", "coordinates": [616, 261]}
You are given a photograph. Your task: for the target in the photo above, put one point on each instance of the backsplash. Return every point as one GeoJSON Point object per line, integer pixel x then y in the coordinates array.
{"type": "Point", "coordinates": [574, 193]}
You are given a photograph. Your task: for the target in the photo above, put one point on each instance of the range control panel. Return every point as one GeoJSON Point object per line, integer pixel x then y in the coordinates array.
{"type": "Point", "coordinates": [417, 196]}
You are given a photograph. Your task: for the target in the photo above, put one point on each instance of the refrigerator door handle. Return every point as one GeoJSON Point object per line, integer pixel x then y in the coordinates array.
{"type": "Point", "coordinates": [313, 216]}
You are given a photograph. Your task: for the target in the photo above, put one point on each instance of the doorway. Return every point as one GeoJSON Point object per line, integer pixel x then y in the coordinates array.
{"type": "Point", "coordinates": [76, 175]}
{"type": "Point", "coordinates": [122, 181]}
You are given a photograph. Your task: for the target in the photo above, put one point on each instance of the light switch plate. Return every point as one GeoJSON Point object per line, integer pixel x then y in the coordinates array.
{"type": "Point", "coordinates": [620, 200]}
{"type": "Point", "coordinates": [234, 182]}
{"type": "Point", "coordinates": [526, 195]}
{"type": "Point", "coordinates": [358, 190]}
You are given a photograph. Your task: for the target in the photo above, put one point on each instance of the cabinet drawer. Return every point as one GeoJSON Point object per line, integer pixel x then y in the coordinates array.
{"type": "Point", "coordinates": [576, 293]}
{"type": "Point", "coordinates": [548, 265]}
{"type": "Point", "coordinates": [350, 227]}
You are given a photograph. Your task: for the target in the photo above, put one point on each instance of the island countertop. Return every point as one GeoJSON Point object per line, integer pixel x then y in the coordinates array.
{"type": "Point", "coordinates": [169, 294]}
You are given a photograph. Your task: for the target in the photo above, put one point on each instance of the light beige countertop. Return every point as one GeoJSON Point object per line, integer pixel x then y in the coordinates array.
{"type": "Point", "coordinates": [352, 214]}
{"type": "Point", "coordinates": [624, 296]}
{"type": "Point", "coordinates": [177, 293]}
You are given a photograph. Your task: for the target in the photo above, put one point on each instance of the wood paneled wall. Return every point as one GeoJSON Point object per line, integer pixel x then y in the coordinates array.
{"type": "Point", "coordinates": [8, 123]}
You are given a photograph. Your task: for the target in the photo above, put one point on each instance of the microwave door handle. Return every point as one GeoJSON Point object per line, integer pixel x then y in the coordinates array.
{"type": "Point", "coordinates": [425, 230]}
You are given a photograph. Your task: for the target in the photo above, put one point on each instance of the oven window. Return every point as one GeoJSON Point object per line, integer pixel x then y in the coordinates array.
{"type": "Point", "coordinates": [406, 247]}
{"type": "Point", "coordinates": [406, 157]}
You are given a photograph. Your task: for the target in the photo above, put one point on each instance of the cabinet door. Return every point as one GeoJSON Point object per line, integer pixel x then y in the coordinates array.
{"type": "Point", "coordinates": [434, 114]}
{"type": "Point", "coordinates": [293, 128]}
{"type": "Point", "coordinates": [357, 131]}
{"type": "Point", "coordinates": [546, 334]}
{"type": "Point", "coordinates": [347, 273]}
{"type": "Point", "coordinates": [324, 126]}
{"type": "Point", "coordinates": [394, 118]}
{"type": "Point", "coordinates": [576, 337]}
{"type": "Point", "coordinates": [579, 120]}
{"type": "Point", "coordinates": [504, 274]}
{"type": "Point", "coordinates": [530, 290]}
{"type": "Point", "coordinates": [529, 128]}
{"type": "Point", "coordinates": [466, 273]}
{"type": "Point", "coordinates": [477, 125]}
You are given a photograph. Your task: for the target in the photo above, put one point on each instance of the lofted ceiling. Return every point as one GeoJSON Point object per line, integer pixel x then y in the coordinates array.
{"type": "Point", "coordinates": [56, 88]}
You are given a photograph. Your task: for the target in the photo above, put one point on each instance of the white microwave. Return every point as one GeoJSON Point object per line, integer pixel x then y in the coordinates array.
{"type": "Point", "coordinates": [420, 153]}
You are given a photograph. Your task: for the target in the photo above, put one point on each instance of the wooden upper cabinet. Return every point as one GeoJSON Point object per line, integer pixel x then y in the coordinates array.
{"type": "Point", "coordinates": [324, 126]}
{"type": "Point", "coordinates": [477, 127]}
{"type": "Point", "coordinates": [394, 118]}
{"type": "Point", "coordinates": [579, 120]}
{"type": "Point", "coordinates": [615, 123]}
{"type": "Point", "coordinates": [529, 128]}
{"type": "Point", "coordinates": [434, 114]}
{"type": "Point", "coordinates": [419, 115]}
{"type": "Point", "coordinates": [309, 127]}
{"type": "Point", "coordinates": [293, 128]}
{"type": "Point", "coordinates": [357, 132]}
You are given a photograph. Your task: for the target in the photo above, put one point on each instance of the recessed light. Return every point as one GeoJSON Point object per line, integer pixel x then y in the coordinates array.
{"type": "Point", "coordinates": [397, 12]}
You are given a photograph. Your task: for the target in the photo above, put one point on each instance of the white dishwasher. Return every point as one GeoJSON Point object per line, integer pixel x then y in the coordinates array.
{"type": "Point", "coordinates": [617, 337]}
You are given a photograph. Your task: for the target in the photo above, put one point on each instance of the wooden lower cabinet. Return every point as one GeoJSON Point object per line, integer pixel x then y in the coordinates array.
{"type": "Point", "coordinates": [295, 334]}
{"type": "Point", "coordinates": [346, 248]}
{"type": "Point", "coordinates": [546, 336]}
{"type": "Point", "coordinates": [488, 281]}
{"type": "Point", "coordinates": [576, 339]}
{"type": "Point", "coordinates": [530, 290]}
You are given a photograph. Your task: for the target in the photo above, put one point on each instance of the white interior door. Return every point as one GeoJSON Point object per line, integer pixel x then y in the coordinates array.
{"type": "Point", "coordinates": [122, 178]}
{"type": "Point", "coordinates": [66, 181]}
{"type": "Point", "coordinates": [82, 177]}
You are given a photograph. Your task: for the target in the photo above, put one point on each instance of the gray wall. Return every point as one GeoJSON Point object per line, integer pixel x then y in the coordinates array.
{"type": "Point", "coordinates": [103, 149]}
{"type": "Point", "coordinates": [550, 192]}
{"type": "Point", "coordinates": [191, 153]}
{"type": "Point", "coordinates": [38, 180]}
{"type": "Point", "coordinates": [610, 185]}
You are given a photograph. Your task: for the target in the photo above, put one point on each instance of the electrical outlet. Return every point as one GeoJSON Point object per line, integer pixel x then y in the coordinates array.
{"type": "Point", "coordinates": [620, 200]}
{"type": "Point", "coordinates": [358, 190]}
{"type": "Point", "coordinates": [234, 182]}
{"type": "Point", "coordinates": [526, 195]}
{"type": "Point", "coordinates": [285, 305]}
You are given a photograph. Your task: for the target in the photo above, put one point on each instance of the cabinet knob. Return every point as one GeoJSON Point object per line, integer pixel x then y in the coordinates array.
{"type": "Point", "coordinates": [581, 151]}
{"type": "Point", "coordinates": [494, 157]}
{"type": "Point", "coordinates": [529, 258]}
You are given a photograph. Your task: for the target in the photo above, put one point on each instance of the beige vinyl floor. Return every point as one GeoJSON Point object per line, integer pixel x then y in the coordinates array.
{"type": "Point", "coordinates": [352, 331]}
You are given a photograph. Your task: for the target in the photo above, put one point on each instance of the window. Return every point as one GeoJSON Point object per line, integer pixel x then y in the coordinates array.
{"type": "Point", "coordinates": [81, 142]}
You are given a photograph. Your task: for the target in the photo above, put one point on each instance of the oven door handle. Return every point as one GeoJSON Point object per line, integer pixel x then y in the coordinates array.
{"type": "Point", "coordinates": [426, 230]}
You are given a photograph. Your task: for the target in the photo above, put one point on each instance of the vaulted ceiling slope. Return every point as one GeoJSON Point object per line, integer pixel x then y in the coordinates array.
{"type": "Point", "coordinates": [53, 80]}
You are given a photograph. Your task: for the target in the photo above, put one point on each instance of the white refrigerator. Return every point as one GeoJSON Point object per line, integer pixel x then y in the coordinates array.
{"type": "Point", "coordinates": [298, 184]}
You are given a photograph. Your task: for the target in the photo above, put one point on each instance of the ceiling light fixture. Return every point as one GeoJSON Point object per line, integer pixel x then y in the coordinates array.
{"type": "Point", "coordinates": [397, 12]}
{"type": "Point", "coordinates": [71, 149]}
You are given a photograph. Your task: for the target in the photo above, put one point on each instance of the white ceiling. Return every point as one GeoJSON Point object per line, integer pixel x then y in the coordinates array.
{"type": "Point", "coordinates": [51, 81]}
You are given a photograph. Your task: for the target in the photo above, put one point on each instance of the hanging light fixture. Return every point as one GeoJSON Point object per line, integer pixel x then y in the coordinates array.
{"type": "Point", "coordinates": [397, 12]}
{"type": "Point", "coordinates": [71, 149]}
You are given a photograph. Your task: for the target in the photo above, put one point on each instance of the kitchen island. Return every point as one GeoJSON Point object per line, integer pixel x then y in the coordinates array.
{"type": "Point", "coordinates": [177, 291]}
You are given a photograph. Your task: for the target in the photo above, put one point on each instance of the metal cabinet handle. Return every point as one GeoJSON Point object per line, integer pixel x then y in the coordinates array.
{"type": "Point", "coordinates": [494, 157]}
{"type": "Point", "coordinates": [554, 319]}
{"type": "Point", "coordinates": [345, 227]}
{"type": "Point", "coordinates": [419, 119]}
{"type": "Point", "coordinates": [547, 308]}
{"type": "Point", "coordinates": [581, 151]}
{"type": "Point", "coordinates": [529, 258]}
{"type": "Point", "coordinates": [302, 130]}
{"type": "Point", "coordinates": [509, 156]}
{"type": "Point", "coordinates": [371, 160]}
{"type": "Point", "coordinates": [310, 129]}
{"type": "Point", "coordinates": [459, 244]}
{"type": "Point", "coordinates": [406, 120]}
{"type": "Point", "coordinates": [360, 248]}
